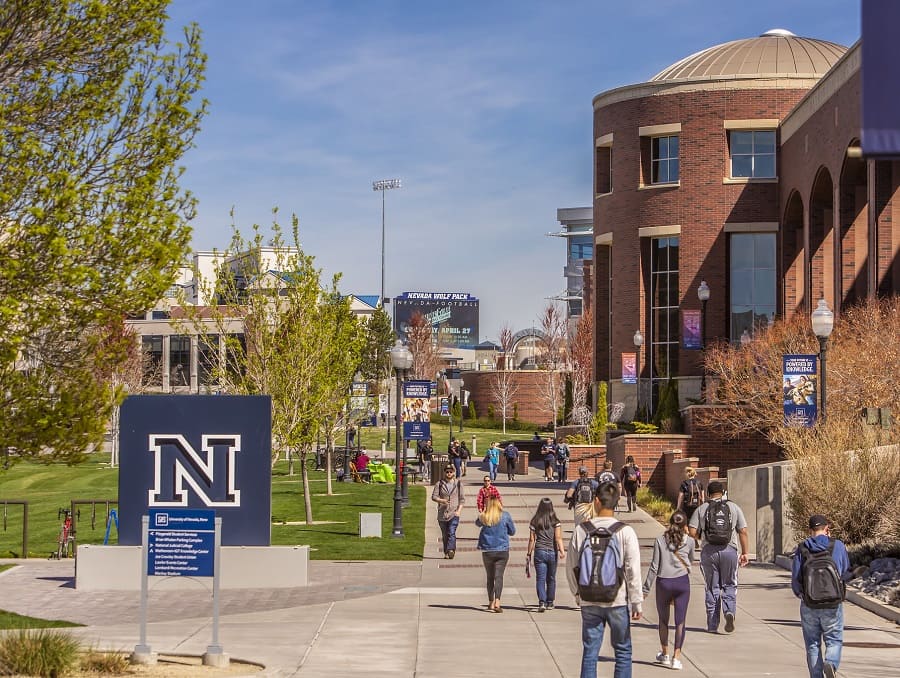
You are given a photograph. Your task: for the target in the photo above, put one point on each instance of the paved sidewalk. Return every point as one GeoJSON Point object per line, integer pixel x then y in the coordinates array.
{"type": "Point", "coordinates": [429, 619]}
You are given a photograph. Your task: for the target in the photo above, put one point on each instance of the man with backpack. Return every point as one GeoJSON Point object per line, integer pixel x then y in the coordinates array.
{"type": "Point", "coordinates": [512, 458]}
{"type": "Point", "coordinates": [580, 496]}
{"type": "Point", "coordinates": [720, 524]}
{"type": "Point", "coordinates": [820, 568]}
{"type": "Point", "coordinates": [603, 568]}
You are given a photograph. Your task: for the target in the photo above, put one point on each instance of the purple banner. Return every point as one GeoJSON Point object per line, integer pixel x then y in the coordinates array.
{"type": "Point", "coordinates": [799, 389]}
{"type": "Point", "coordinates": [629, 368]}
{"type": "Point", "coordinates": [690, 330]}
{"type": "Point", "coordinates": [880, 105]}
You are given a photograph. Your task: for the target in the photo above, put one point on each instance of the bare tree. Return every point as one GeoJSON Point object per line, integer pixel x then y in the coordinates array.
{"type": "Point", "coordinates": [503, 383]}
{"type": "Point", "coordinates": [553, 362]}
{"type": "Point", "coordinates": [581, 352]}
{"type": "Point", "coordinates": [420, 340]}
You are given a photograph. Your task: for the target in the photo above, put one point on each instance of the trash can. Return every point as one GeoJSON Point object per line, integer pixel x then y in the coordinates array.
{"type": "Point", "coordinates": [438, 462]}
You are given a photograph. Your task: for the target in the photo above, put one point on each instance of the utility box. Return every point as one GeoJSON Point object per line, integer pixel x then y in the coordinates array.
{"type": "Point", "coordinates": [370, 525]}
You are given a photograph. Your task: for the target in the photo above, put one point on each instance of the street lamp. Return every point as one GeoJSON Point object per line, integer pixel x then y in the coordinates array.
{"type": "Point", "coordinates": [822, 320]}
{"type": "Point", "coordinates": [703, 296]}
{"type": "Point", "coordinates": [401, 359]}
{"type": "Point", "coordinates": [638, 342]}
{"type": "Point", "coordinates": [384, 185]}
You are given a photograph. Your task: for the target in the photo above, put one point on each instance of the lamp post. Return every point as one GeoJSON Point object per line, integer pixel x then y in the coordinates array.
{"type": "Point", "coordinates": [638, 342]}
{"type": "Point", "coordinates": [822, 320]}
{"type": "Point", "coordinates": [401, 359]}
{"type": "Point", "coordinates": [703, 296]}
{"type": "Point", "coordinates": [384, 185]}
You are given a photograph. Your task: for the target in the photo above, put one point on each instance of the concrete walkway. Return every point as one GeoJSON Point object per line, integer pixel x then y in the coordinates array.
{"type": "Point", "coordinates": [429, 619]}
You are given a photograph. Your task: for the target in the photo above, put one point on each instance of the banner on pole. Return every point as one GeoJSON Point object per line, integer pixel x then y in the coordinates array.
{"type": "Point", "coordinates": [690, 330]}
{"type": "Point", "coordinates": [416, 412]}
{"type": "Point", "coordinates": [629, 368]}
{"type": "Point", "coordinates": [799, 389]}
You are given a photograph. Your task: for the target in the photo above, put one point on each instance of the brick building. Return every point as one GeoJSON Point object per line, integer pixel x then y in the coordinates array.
{"type": "Point", "coordinates": [738, 166]}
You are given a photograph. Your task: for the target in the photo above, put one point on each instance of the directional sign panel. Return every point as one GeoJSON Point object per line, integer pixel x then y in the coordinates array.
{"type": "Point", "coordinates": [181, 543]}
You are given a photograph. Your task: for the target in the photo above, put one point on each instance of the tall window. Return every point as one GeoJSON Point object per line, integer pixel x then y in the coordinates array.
{"type": "Point", "coordinates": [753, 154]}
{"type": "Point", "coordinates": [207, 359]}
{"type": "Point", "coordinates": [664, 160]}
{"type": "Point", "coordinates": [664, 300]}
{"type": "Point", "coordinates": [179, 360]}
{"type": "Point", "coordinates": [752, 282]}
{"type": "Point", "coordinates": [603, 169]}
{"type": "Point", "coordinates": [152, 355]}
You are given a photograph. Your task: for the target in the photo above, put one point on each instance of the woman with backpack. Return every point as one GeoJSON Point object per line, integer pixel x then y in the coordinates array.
{"type": "Point", "coordinates": [546, 545]}
{"type": "Point", "coordinates": [690, 494]}
{"type": "Point", "coordinates": [673, 553]}
{"type": "Point", "coordinates": [497, 527]}
{"type": "Point", "coordinates": [631, 481]}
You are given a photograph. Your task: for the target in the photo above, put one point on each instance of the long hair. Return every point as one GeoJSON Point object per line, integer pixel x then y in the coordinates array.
{"type": "Point", "coordinates": [545, 516]}
{"type": "Point", "coordinates": [493, 511]}
{"type": "Point", "coordinates": [674, 533]}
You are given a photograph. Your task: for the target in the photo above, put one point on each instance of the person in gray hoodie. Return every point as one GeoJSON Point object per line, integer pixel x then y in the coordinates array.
{"type": "Point", "coordinates": [673, 555]}
{"type": "Point", "coordinates": [821, 620]}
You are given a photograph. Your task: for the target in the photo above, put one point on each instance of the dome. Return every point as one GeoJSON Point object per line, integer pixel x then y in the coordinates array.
{"type": "Point", "coordinates": [777, 52]}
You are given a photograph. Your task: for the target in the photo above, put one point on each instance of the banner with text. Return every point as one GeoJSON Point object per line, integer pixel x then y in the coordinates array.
{"type": "Point", "coordinates": [629, 368]}
{"type": "Point", "coordinates": [799, 389]}
{"type": "Point", "coordinates": [416, 412]}
{"type": "Point", "coordinates": [690, 330]}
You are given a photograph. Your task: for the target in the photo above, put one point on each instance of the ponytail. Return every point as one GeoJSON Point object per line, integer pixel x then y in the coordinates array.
{"type": "Point", "coordinates": [674, 534]}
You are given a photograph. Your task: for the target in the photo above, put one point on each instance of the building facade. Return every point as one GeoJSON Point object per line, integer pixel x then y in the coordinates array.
{"type": "Point", "coordinates": [577, 229]}
{"type": "Point", "coordinates": [738, 166]}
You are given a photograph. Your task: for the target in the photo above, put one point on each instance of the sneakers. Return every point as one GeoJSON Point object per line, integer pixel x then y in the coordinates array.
{"type": "Point", "coordinates": [676, 664]}
{"type": "Point", "coordinates": [450, 554]}
{"type": "Point", "coordinates": [542, 607]}
{"type": "Point", "coordinates": [662, 658]}
{"type": "Point", "coordinates": [830, 671]}
{"type": "Point", "coordinates": [549, 606]}
{"type": "Point", "coordinates": [729, 622]}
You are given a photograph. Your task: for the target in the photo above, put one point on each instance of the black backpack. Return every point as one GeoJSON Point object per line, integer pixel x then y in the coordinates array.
{"type": "Point", "coordinates": [584, 491]}
{"type": "Point", "coordinates": [820, 580]}
{"type": "Point", "coordinates": [718, 526]}
{"type": "Point", "coordinates": [512, 451]}
{"type": "Point", "coordinates": [598, 573]}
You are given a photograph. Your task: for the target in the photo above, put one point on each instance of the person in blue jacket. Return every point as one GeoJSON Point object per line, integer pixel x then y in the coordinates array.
{"type": "Point", "coordinates": [497, 527]}
{"type": "Point", "coordinates": [821, 594]}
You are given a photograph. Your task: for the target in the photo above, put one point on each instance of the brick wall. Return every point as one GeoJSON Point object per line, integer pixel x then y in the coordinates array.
{"type": "Point", "coordinates": [712, 448]}
{"type": "Point", "coordinates": [528, 395]}
{"type": "Point", "coordinates": [648, 452]}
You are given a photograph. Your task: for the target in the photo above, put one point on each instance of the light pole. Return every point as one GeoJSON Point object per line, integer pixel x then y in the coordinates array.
{"type": "Point", "coordinates": [401, 359]}
{"type": "Point", "coordinates": [638, 342]}
{"type": "Point", "coordinates": [822, 320]}
{"type": "Point", "coordinates": [384, 185]}
{"type": "Point", "coordinates": [703, 296]}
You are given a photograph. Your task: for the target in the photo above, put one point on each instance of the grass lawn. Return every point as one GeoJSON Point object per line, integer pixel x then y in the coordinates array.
{"type": "Point", "coordinates": [49, 488]}
{"type": "Point", "coordinates": [440, 435]}
{"type": "Point", "coordinates": [11, 620]}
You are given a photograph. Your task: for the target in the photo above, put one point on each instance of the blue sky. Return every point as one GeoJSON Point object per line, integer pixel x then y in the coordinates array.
{"type": "Point", "coordinates": [483, 109]}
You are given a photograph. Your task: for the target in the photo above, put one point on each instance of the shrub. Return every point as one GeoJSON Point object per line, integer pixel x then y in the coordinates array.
{"type": "Point", "coordinates": [641, 427]}
{"type": "Point", "coordinates": [515, 411]}
{"type": "Point", "coordinates": [491, 412]}
{"type": "Point", "coordinates": [600, 421]}
{"type": "Point", "coordinates": [577, 439]}
{"type": "Point", "coordinates": [108, 663]}
{"type": "Point", "coordinates": [658, 507]}
{"type": "Point", "coordinates": [38, 652]}
{"type": "Point", "coordinates": [472, 413]}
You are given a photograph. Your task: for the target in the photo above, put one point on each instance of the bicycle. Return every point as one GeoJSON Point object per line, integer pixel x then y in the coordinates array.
{"type": "Point", "coordinates": [65, 541]}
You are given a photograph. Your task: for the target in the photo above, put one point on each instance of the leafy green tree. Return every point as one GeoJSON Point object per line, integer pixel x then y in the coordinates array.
{"type": "Point", "coordinates": [96, 111]}
{"type": "Point", "coordinates": [473, 414]}
{"type": "Point", "coordinates": [376, 358]}
{"type": "Point", "coordinates": [300, 344]}
{"type": "Point", "coordinates": [600, 420]}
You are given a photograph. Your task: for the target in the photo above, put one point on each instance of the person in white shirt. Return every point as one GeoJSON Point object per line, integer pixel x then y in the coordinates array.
{"type": "Point", "coordinates": [627, 603]}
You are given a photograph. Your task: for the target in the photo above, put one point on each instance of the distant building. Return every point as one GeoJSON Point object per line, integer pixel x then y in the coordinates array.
{"type": "Point", "coordinates": [578, 231]}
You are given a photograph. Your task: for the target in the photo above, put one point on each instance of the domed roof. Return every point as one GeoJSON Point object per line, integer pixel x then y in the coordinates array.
{"type": "Point", "coordinates": [777, 52]}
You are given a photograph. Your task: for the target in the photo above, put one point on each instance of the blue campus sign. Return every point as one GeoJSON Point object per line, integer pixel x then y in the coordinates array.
{"type": "Point", "coordinates": [197, 452]}
{"type": "Point", "coordinates": [799, 390]}
{"type": "Point", "coordinates": [181, 543]}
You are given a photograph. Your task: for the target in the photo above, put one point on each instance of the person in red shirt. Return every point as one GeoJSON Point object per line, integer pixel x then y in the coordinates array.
{"type": "Point", "coordinates": [487, 490]}
{"type": "Point", "coordinates": [362, 461]}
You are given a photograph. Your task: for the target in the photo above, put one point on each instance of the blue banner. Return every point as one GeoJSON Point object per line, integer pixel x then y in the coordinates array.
{"type": "Point", "coordinates": [181, 543]}
{"type": "Point", "coordinates": [416, 412]}
{"type": "Point", "coordinates": [799, 389]}
{"type": "Point", "coordinates": [880, 105]}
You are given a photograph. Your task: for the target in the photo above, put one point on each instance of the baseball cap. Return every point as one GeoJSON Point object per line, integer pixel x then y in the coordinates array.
{"type": "Point", "coordinates": [817, 521]}
{"type": "Point", "coordinates": [582, 469]}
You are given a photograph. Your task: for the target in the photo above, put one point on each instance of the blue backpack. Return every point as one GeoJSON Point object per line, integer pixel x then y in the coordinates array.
{"type": "Point", "coordinates": [600, 570]}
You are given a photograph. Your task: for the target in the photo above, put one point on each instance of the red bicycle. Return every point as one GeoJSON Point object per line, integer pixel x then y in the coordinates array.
{"type": "Point", "coordinates": [65, 542]}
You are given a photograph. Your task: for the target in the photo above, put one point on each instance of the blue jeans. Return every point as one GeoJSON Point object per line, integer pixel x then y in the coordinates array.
{"type": "Point", "coordinates": [492, 469]}
{"type": "Point", "coordinates": [448, 533]}
{"type": "Point", "coordinates": [457, 464]}
{"type": "Point", "coordinates": [593, 621]}
{"type": "Point", "coordinates": [545, 575]}
{"type": "Point", "coordinates": [818, 625]}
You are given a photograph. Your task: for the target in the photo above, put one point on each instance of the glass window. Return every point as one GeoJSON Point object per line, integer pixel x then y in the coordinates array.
{"type": "Point", "coordinates": [574, 307]}
{"type": "Point", "coordinates": [207, 359]}
{"type": "Point", "coordinates": [151, 358]}
{"type": "Point", "coordinates": [665, 301]}
{"type": "Point", "coordinates": [752, 288]}
{"type": "Point", "coordinates": [664, 160]}
{"type": "Point", "coordinates": [580, 247]}
{"type": "Point", "coordinates": [179, 360]}
{"type": "Point", "coordinates": [753, 154]}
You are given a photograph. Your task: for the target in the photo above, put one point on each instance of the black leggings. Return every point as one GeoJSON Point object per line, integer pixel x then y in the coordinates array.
{"type": "Point", "coordinates": [630, 494]}
{"type": "Point", "coordinates": [494, 567]}
{"type": "Point", "coordinates": [677, 590]}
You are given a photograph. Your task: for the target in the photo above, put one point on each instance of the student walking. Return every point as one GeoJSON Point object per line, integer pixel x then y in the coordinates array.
{"type": "Point", "coordinates": [492, 456]}
{"type": "Point", "coordinates": [630, 478]}
{"type": "Point", "coordinates": [580, 496]}
{"type": "Point", "coordinates": [720, 525]}
{"type": "Point", "coordinates": [454, 454]}
{"type": "Point", "coordinates": [620, 543]}
{"type": "Point", "coordinates": [448, 494]}
{"type": "Point", "coordinates": [690, 493]}
{"type": "Point", "coordinates": [497, 527]}
{"type": "Point", "coordinates": [512, 458]}
{"type": "Point", "coordinates": [546, 545]}
{"type": "Point", "coordinates": [488, 490]}
{"type": "Point", "coordinates": [820, 568]}
{"type": "Point", "coordinates": [670, 567]}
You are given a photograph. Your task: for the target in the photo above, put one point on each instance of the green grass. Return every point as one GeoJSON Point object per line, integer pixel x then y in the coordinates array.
{"type": "Point", "coordinates": [49, 488]}
{"type": "Point", "coordinates": [11, 620]}
{"type": "Point", "coordinates": [440, 434]}
{"type": "Point", "coordinates": [657, 506]}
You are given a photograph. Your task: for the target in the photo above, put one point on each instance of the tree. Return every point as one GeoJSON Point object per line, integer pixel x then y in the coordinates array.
{"type": "Point", "coordinates": [96, 111]}
{"type": "Point", "coordinates": [581, 353]}
{"type": "Point", "coordinates": [553, 324]}
{"type": "Point", "coordinates": [376, 361]}
{"type": "Point", "coordinates": [421, 343]}
{"type": "Point", "coordinates": [300, 344]}
{"type": "Point", "coordinates": [503, 383]}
